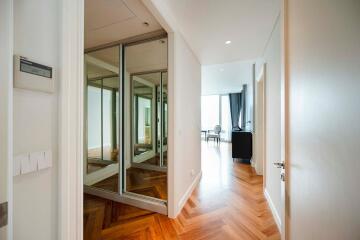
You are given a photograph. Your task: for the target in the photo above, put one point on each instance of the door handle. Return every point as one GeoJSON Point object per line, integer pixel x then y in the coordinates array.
{"type": "Point", "coordinates": [279, 165]}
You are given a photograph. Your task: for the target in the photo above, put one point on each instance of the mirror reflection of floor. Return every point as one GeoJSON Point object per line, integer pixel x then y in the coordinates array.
{"type": "Point", "coordinates": [93, 167]}
{"type": "Point", "coordinates": [95, 163]}
{"type": "Point", "coordinates": [141, 181]}
{"type": "Point", "coordinates": [156, 161]}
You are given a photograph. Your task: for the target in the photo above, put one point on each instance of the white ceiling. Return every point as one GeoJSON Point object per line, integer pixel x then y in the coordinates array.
{"type": "Point", "coordinates": [207, 24]}
{"type": "Point", "coordinates": [225, 78]}
{"type": "Point", "coordinates": [107, 21]}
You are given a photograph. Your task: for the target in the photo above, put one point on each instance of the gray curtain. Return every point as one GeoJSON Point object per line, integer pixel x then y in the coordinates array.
{"type": "Point", "coordinates": [235, 109]}
{"type": "Point", "coordinates": [243, 106]}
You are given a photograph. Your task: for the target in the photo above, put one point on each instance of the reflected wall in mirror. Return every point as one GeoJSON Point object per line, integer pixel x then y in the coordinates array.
{"type": "Point", "coordinates": [102, 121]}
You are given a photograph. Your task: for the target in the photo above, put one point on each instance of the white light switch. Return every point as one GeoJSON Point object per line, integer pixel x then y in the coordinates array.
{"type": "Point", "coordinates": [46, 161]}
{"type": "Point", "coordinates": [35, 157]}
{"type": "Point", "coordinates": [17, 164]}
{"type": "Point", "coordinates": [25, 164]}
{"type": "Point", "coordinates": [32, 162]}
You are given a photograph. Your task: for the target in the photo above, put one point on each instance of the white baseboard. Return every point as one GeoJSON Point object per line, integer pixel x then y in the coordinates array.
{"type": "Point", "coordinates": [188, 193]}
{"type": "Point", "coordinates": [273, 210]}
{"type": "Point", "coordinates": [252, 162]}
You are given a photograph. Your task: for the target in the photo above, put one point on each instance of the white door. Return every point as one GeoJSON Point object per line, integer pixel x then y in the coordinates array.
{"type": "Point", "coordinates": [5, 100]}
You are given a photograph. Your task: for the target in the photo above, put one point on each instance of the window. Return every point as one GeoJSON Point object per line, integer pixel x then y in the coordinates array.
{"type": "Point", "coordinates": [210, 114]}
{"type": "Point", "coordinates": [215, 110]}
{"type": "Point", "coordinates": [226, 124]}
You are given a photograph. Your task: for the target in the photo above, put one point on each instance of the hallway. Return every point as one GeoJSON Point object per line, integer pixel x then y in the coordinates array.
{"type": "Point", "coordinates": [228, 204]}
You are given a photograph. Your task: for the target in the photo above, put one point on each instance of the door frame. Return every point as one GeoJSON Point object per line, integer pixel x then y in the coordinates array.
{"type": "Point", "coordinates": [71, 104]}
{"type": "Point", "coordinates": [285, 120]}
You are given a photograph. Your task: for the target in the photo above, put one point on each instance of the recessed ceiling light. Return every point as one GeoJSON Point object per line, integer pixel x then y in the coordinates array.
{"type": "Point", "coordinates": [227, 42]}
{"type": "Point", "coordinates": [146, 24]}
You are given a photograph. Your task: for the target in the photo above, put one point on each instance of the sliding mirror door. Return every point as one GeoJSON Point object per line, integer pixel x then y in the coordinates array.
{"type": "Point", "coordinates": [127, 124]}
{"type": "Point", "coordinates": [101, 168]}
{"type": "Point", "coordinates": [146, 66]}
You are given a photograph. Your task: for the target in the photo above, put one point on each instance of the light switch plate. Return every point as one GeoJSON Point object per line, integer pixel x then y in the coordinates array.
{"type": "Point", "coordinates": [35, 158]}
{"type": "Point", "coordinates": [25, 164]}
{"type": "Point", "coordinates": [17, 164]}
{"type": "Point", "coordinates": [46, 162]}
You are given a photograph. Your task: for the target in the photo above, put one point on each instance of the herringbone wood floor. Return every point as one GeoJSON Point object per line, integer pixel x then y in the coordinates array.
{"type": "Point", "coordinates": [227, 204]}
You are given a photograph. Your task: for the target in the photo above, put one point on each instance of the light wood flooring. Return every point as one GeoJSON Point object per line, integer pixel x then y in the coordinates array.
{"type": "Point", "coordinates": [228, 204]}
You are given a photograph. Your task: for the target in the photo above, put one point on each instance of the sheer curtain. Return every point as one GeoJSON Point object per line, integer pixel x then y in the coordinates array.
{"type": "Point", "coordinates": [215, 110]}
{"type": "Point", "coordinates": [226, 118]}
{"type": "Point", "coordinates": [210, 115]}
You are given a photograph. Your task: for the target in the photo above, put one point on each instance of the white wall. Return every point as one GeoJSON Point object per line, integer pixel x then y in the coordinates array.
{"type": "Point", "coordinates": [272, 59]}
{"type": "Point", "coordinates": [324, 70]}
{"type": "Point", "coordinates": [6, 44]}
{"type": "Point", "coordinates": [225, 78]}
{"type": "Point", "coordinates": [35, 122]}
{"type": "Point", "coordinates": [184, 76]}
{"type": "Point", "coordinates": [187, 121]}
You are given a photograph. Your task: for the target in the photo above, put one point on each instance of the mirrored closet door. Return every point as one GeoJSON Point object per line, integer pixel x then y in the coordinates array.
{"type": "Point", "coordinates": [126, 102]}
{"type": "Point", "coordinates": [101, 169]}
{"type": "Point", "coordinates": [146, 173]}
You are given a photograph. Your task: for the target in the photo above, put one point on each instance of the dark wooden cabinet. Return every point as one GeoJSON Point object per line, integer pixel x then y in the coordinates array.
{"type": "Point", "coordinates": [241, 145]}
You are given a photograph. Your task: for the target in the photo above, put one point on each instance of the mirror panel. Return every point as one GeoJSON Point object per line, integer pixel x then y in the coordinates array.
{"type": "Point", "coordinates": [145, 65]}
{"type": "Point", "coordinates": [144, 119]}
{"type": "Point", "coordinates": [94, 123]}
{"type": "Point", "coordinates": [102, 135]}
